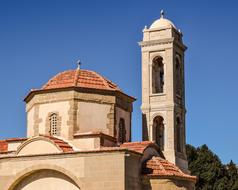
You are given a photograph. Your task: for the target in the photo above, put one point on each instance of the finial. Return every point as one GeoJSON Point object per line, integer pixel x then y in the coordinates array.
{"type": "Point", "coordinates": [79, 64]}
{"type": "Point", "coordinates": [145, 27]}
{"type": "Point", "coordinates": [162, 13]}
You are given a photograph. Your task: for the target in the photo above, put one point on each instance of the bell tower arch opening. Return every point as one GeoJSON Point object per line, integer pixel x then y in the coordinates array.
{"type": "Point", "coordinates": [178, 134]}
{"type": "Point", "coordinates": [178, 77]}
{"type": "Point", "coordinates": [158, 131]}
{"type": "Point", "coordinates": [157, 75]}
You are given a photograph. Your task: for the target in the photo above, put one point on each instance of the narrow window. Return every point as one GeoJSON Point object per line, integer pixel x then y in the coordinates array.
{"type": "Point", "coordinates": [53, 124]}
{"type": "Point", "coordinates": [157, 75]}
{"type": "Point", "coordinates": [158, 126]}
{"type": "Point", "coordinates": [178, 77]}
{"type": "Point", "coordinates": [122, 131]}
{"type": "Point", "coordinates": [178, 134]}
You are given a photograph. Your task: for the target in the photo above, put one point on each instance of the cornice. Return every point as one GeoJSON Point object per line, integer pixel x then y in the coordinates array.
{"type": "Point", "coordinates": [163, 42]}
{"type": "Point", "coordinates": [156, 42]}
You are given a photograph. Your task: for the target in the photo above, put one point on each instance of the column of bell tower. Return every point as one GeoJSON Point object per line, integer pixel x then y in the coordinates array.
{"type": "Point", "coordinates": [163, 97]}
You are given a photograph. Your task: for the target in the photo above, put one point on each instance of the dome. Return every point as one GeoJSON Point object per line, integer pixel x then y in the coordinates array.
{"type": "Point", "coordinates": [80, 78]}
{"type": "Point", "coordinates": [162, 23]}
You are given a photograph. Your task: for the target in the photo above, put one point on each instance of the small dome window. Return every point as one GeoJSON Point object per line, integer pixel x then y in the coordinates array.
{"type": "Point", "coordinates": [54, 124]}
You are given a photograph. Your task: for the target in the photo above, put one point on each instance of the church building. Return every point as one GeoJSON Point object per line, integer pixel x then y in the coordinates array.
{"type": "Point", "coordinates": [79, 128]}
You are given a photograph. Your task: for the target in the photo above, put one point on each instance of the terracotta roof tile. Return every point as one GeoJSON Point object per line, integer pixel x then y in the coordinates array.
{"type": "Point", "coordinates": [80, 78]}
{"type": "Point", "coordinates": [15, 139]}
{"type": "Point", "coordinates": [3, 146]}
{"type": "Point", "coordinates": [63, 145]}
{"type": "Point", "coordinates": [157, 166]}
{"type": "Point", "coordinates": [138, 146]}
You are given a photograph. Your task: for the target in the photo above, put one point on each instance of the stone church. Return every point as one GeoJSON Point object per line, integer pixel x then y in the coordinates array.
{"type": "Point", "coordinates": [79, 128]}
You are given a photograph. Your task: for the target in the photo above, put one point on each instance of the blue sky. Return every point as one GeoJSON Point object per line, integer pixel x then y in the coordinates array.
{"type": "Point", "coordinates": [38, 39]}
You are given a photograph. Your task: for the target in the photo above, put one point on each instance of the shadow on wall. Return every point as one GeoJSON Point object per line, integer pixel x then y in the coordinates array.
{"type": "Point", "coordinates": [145, 136]}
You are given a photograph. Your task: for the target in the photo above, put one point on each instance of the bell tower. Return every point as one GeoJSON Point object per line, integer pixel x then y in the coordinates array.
{"type": "Point", "coordinates": [163, 97]}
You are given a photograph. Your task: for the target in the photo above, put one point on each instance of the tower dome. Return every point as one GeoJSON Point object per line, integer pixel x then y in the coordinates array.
{"type": "Point", "coordinates": [162, 22]}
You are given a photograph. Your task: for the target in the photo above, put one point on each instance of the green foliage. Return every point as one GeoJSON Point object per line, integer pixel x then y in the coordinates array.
{"type": "Point", "coordinates": [211, 173]}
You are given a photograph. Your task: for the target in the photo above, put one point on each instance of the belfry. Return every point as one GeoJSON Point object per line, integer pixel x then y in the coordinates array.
{"type": "Point", "coordinates": [163, 100]}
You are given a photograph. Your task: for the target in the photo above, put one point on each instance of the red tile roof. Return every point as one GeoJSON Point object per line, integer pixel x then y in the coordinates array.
{"type": "Point", "coordinates": [15, 139]}
{"type": "Point", "coordinates": [80, 78]}
{"type": "Point", "coordinates": [157, 166]}
{"type": "Point", "coordinates": [63, 145]}
{"type": "Point", "coordinates": [3, 146]}
{"type": "Point", "coordinates": [138, 146]}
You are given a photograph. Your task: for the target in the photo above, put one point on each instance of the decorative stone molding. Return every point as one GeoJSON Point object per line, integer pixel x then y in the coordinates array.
{"type": "Point", "coordinates": [156, 42]}
{"type": "Point", "coordinates": [33, 169]}
{"type": "Point", "coordinates": [121, 99]}
{"type": "Point", "coordinates": [37, 120]}
{"type": "Point", "coordinates": [111, 117]}
{"type": "Point", "coordinates": [72, 122]}
{"type": "Point", "coordinates": [24, 144]}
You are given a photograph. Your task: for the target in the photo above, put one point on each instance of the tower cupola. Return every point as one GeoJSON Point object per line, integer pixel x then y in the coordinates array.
{"type": "Point", "coordinates": [162, 22]}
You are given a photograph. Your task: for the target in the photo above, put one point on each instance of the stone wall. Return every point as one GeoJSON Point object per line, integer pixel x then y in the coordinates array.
{"type": "Point", "coordinates": [133, 172]}
{"type": "Point", "coordinates": [47, 179]}
{"type": "Point", "coordinates": [78, 112]}
{"type": "Point", "coordinates": [89, 171]}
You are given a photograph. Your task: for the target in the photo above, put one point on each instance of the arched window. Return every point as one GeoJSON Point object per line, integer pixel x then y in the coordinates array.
{"type": "Point", "coordinates": [178, 133]}
{"type": "Point", "coordinates": [158, 128]}
{"type": "Point", "coordinates": [122, 131]}
{"type": "Point", "coordinates": [178, 78]}
{"type": "Point", "coordinates": [53, 124]}
{"type": "Point", "coordinates": [157, 75]}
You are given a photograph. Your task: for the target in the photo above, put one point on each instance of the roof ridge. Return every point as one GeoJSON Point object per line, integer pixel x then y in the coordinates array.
{"type": "Point", "coordinates": [102, 78]}
{"type": "Point", "coordinates": [109, 81]}
{"type": "Point", "coordinates": [76, 76]}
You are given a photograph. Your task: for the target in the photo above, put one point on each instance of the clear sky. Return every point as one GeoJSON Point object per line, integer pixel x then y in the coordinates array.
{"type": "Point", "coordinates": [40, 38]}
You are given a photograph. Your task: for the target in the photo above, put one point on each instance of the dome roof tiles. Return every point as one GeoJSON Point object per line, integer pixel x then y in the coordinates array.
{"type": "Point", "coordinates": [80, 78]}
